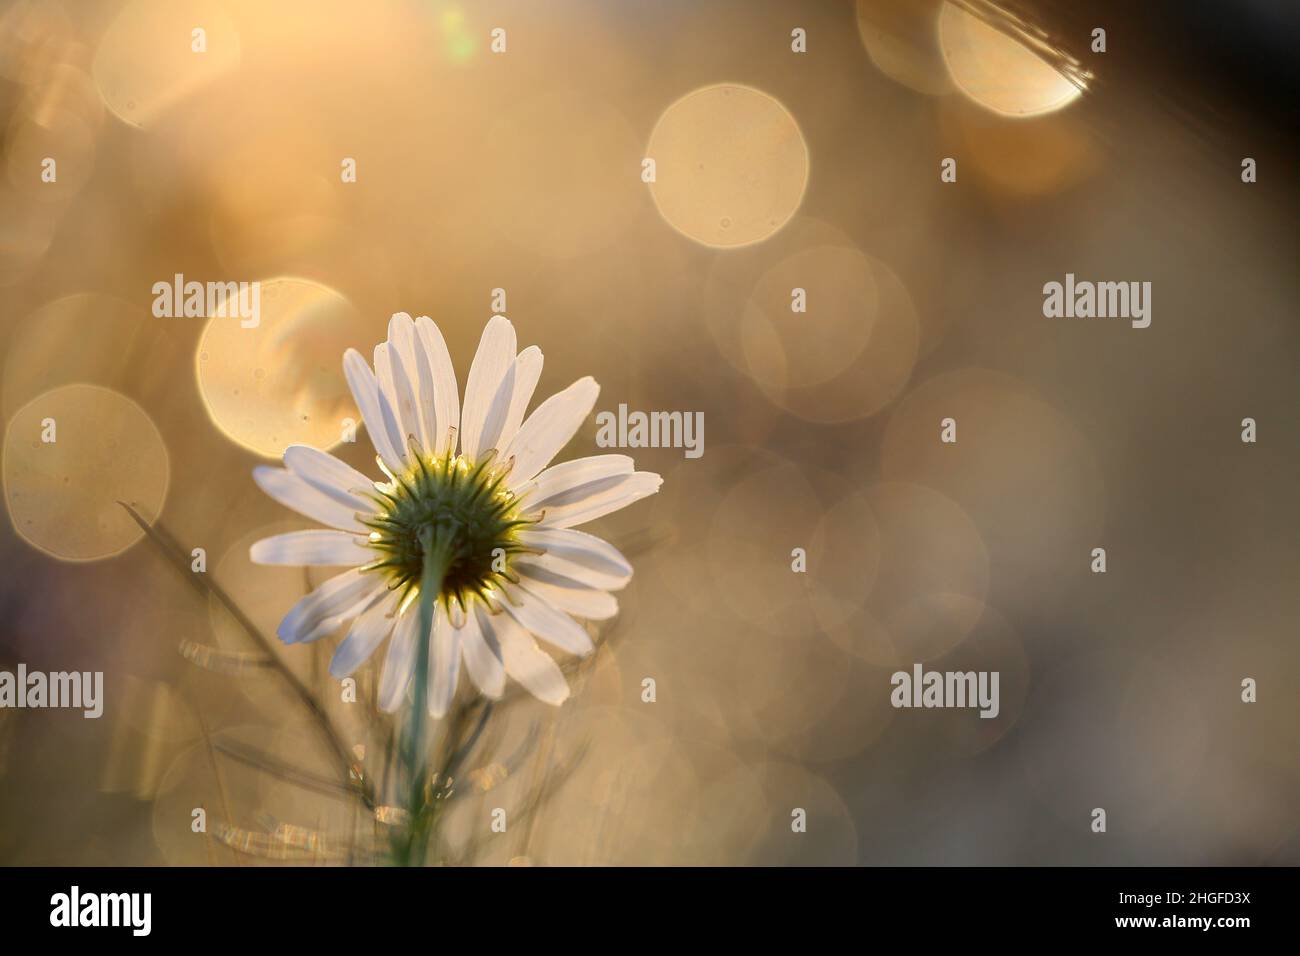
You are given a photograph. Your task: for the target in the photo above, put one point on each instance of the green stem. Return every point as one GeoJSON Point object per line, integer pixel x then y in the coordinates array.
{"type": "Point", "coordinates": [438, 554]}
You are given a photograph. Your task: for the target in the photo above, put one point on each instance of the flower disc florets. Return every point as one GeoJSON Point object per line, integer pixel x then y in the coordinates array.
{"type": "Point", "coordinates": [456, 514]}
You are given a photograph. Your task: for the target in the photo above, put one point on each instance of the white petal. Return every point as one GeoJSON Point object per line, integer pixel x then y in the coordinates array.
{"type": "Point", "coordinates": [551, 625]}
{"type": "Point", "coordinates": [415, 363]}
{"type": "Point", "coordinates": [444, 664]}
{"type": "Point", "coordinates": [331, 624]}
{"type": "Point", "coordinates": [323, 548]}
{"type": "Point", "coordinates": [384, 376]}
{"type": "Point", "coordinates": [511, 401]}
{"type": "Point", "coordinates": [571, 474]}
{"type": "Point", "coordinates": [446, 395]}
{"type": "Point", "coordinates": [395, 383]}
{"type": "Point", "coordinates": [333, 599]}
{"type": "Point", "coordinates": [493, 364]}
{"type": "Point", "coordinates": [482, 656]}
{"type": "Point", "coordinates": [292, 492]}
{"type": "Point", "coordinates": [378, 416]}
{"type": "Point", "coordinates": [549, 428]}
{"type": "Point", "coordinates": [528, 369]}
{"type": "Point", "coordinates": [579, 555]}
{"type": "Point", "coordinates": [495, 419]}
{"type": "Point", "coordinates": [367, 633]}
{"type": "Point", "coordinates": [570, 569]}
{"type": "Point", "coordinates": [401, 339]}
{"type": "Point", "coordinates": [527, 663]}
{"type": "Point", "coordinates": [568, 594]}
{"type": "Point", "coordinates": [399, 665]}
{"type": "Point", "coordinates": [595, 499]}
{"type": "Point", "coordinates": [330, 476]}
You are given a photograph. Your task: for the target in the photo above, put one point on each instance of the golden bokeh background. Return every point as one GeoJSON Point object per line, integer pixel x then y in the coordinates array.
{"type": "Point", "coordinates": [523, 171]}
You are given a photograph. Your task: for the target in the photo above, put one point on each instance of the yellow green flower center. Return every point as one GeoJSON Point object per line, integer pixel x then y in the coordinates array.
{"type": "Point", "coordinates": [451, 511]}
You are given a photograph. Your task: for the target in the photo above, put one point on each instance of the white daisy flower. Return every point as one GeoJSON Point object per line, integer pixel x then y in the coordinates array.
{"type": "Point", "coordinates": [489, 525]}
